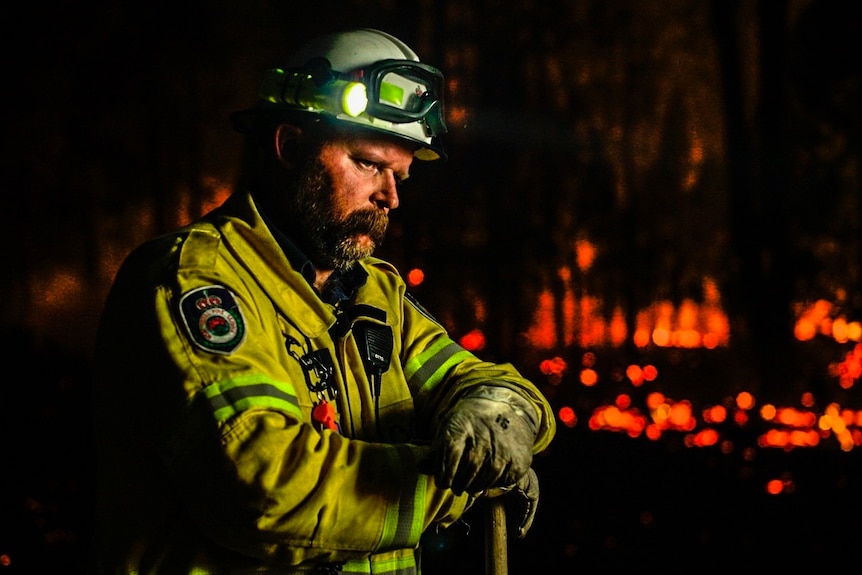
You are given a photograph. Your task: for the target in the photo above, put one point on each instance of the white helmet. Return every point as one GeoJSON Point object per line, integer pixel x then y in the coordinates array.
{"type": "Point", "coordinates": [365, 78]}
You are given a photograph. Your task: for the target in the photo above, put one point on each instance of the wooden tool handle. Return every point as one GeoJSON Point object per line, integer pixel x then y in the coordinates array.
{"type": "Point", "coordinates": [496, 551]}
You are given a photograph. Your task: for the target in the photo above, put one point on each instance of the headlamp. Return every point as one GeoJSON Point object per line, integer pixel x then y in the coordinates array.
{"type": "Point", "coordinates": [299, 88]}
{"type": "Point", "coordinates": [397, 91]}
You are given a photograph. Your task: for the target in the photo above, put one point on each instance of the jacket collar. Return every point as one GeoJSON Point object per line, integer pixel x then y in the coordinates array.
{"type": "Point", "coordinates": [341, 285]}
{"type": "Point", "coordinates": [288, 274]}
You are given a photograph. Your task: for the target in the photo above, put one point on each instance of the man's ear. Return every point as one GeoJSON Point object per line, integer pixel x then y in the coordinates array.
{"type": "Point", "coordinates": [286, 142]}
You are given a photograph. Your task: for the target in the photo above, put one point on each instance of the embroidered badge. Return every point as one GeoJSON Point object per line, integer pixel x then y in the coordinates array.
{"type": "Point", "coordinates": [213, 319]}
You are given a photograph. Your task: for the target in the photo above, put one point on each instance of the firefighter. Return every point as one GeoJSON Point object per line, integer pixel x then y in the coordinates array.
{"type": "Point", "coordinates": [268, 396]}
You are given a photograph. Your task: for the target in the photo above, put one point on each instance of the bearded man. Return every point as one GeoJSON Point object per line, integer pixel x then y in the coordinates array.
{"type": "Point", "coordinates": [268, 397]}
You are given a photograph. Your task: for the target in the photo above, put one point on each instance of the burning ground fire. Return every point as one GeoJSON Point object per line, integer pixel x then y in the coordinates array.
{"type": "Point", "coordinates": [793, 427]}
{"type": "Point", "coordinates": [578, 323]}
{"type": "Point", "coordinates": [778, 427]}
{"type": "Point", "coordinates": [783, 427]}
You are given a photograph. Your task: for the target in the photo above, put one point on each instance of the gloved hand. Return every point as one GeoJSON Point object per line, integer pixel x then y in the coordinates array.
{"type": "Point", "coordinates": [484, 441]}
{"type": "Point", "coordinates": [521, 501]}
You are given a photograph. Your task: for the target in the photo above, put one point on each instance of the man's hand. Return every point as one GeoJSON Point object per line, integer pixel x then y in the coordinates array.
{"type": "Point", "coordinates": [485, 441]}
{"type": "Point", "coordinates": [521, 501]}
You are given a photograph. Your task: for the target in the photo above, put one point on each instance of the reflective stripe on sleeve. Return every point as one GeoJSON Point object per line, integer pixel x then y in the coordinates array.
{"type": "Point", "coordinates": [230, 397]}
{"type": "Point", "coordinates": [403, 524]}
{"type": "Point", "coordinates": [383, 564]}
{"type": "Point", "coordinates": [357, 567]}
{"type": "Point", "coordinates": [427, 369]}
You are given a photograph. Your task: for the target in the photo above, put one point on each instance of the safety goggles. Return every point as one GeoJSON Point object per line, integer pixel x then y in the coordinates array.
{"type": "Point", "coordinates": [403, 91]}
{"type": "Point", "coordinates": [397, 91]}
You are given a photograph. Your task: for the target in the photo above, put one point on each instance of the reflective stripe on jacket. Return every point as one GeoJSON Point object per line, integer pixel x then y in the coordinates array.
{"type": "Point", "coordinates": [210, 360]}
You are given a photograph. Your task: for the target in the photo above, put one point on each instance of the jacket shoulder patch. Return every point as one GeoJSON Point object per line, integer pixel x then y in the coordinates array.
{"type": "Point", "coordinates": [213, 319]}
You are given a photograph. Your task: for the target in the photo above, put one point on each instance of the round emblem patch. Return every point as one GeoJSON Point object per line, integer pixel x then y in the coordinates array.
{"type": "Point", "coordinates": [213, 319]}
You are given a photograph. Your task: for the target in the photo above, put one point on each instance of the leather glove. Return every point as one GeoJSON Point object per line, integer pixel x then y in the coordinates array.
{"type": "Point", "coordinates": [484, 441]}
{"type": "Point", "coordinates": [521, 501]}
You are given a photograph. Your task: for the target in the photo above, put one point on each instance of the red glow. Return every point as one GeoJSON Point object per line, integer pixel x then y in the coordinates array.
{"type": "Point", "coordinates": [691, 325]}
{"type": "Point", "coordinates": [792, 417]}
{"type": "Point", "coordinates": [635, 374]}
{"type": "Point", "coordinates": [219, 192]}
{"type": "Point", "coordinates": [848, 371]}
{"type": "Point", "coordinates": [654, 400]}
{"type": "Point", "coordinates": [715, 414]}
{"type": "Point", "coordinates": [415, 277]}
{"type": "Point", "coordinates": [612, 418]}
{"type": "Point", "coordinates": [554, 368]}
{"type": "Point", "coordinates": [744, 400]}
{"type": "Point", "coordinates": [650, 372]}
{"type": "Point", "coordinates": [473, 340]}
{"type": "Point", "coordinates": [568, 316]}
{"type": "Point", "coordinates": [457, 115]}
{"type": "Point", "coordinates": [680, 416]}
{"type": "Point", "coordinates": [589, 377]}
{"type": "Point", "coordinates": [705, 438]}
{"type": "Point", "coordinates": [774, 486]}
{"type": "Point", "coordinates": [641, 337]}
{"type": "Point", "coordinates": [543, 333]}
{"type": "Point", "coordinates": [661, 336]}
{"type": "Point", "coordinates": [824, 318]}
{"type": "Point", "coordinates": [568, 417]}
{"type": "Point", "coordinates": [585, 254]}
{"type": "Point", "coordinates": [618, 328]}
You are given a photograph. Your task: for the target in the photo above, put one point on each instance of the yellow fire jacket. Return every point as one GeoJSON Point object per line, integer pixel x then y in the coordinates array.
{"type": "Point", "coordinates": [238, 418]}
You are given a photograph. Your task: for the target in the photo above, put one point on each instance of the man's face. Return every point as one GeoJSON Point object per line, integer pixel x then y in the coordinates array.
{"type": "Point", "coordinates": [344, 195]}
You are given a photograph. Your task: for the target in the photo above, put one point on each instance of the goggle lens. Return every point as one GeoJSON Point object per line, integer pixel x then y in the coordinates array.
{"type": "Point", "coordinates": [403, 91]}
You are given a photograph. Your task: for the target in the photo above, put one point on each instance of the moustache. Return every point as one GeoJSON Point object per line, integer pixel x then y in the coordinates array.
{"type": "Point", "coordinates": [371, 222]}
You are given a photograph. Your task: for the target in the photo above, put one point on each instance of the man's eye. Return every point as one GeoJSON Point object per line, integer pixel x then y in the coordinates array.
{"type": "Point", "coordinates": [366, 164]}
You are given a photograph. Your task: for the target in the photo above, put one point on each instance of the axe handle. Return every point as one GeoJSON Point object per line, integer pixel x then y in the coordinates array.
{"type": "Point", "coordinates": [496, 553]}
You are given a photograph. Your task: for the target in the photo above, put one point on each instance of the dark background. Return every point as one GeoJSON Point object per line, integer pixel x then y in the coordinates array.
{"type": "Point", "coordinates": [683, 138]}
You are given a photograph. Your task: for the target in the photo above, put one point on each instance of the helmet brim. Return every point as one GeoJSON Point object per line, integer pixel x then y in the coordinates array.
{"type": "Point", "coordinates": [262, 119]}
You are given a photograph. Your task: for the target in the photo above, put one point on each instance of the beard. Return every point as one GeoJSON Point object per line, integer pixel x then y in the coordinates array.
{"type": "Point", "coordinates": [332, 241]}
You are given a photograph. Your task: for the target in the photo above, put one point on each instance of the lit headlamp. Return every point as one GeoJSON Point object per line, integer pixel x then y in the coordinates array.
{"type": "Point", "coordinates": [397, 91]}
{"type": "Point", "coordinates": [300, 89]}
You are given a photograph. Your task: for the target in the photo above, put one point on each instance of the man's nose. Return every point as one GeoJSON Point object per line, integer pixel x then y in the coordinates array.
{"type": "Point", "coordinates": [388, 194]}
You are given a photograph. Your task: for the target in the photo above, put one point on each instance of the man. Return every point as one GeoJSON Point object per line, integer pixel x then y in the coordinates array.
{"type": "Point", "coordinates": [269, 399]}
